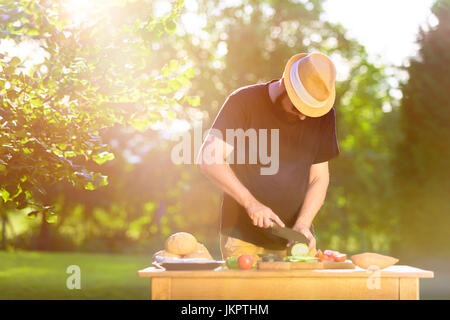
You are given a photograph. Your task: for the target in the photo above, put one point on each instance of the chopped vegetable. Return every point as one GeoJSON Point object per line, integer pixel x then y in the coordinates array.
{"type": "Point", "coordinates": [340, 257]}
{"type": "Point", "coordinates": [331, 256]}
{"type": "Point", "coordinates": [300, 259]}
{"type": "Point", "coordinates": [232, 263]}
{"type": "Point", "coordinates": [312, 253]}
{"type": "Point", "coordinates": [299, 249]}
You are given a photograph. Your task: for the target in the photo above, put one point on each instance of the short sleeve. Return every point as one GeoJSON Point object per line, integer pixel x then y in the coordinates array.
{"type": "Point", "coordinates": [230, 116]}
{"type": "Point", "coordinates": [328, 144]}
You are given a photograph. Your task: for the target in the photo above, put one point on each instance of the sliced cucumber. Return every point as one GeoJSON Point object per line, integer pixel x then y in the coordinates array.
{"type": "Point", "coordinates": [300, 259]}
{"type": "Point", "coordinates": [310, 259]}
{"type": "Point", "coordinates": [299, 249]}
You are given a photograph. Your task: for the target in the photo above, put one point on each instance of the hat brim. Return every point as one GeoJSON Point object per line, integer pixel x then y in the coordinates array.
{"type": "Point", "coordinates": [298, 103]}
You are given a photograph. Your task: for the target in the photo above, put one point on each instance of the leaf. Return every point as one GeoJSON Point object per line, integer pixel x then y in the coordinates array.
{"type": "Point", "coordinates": [193, 101]}
{"type": "Point", "coordinates": [51, 217]}
{"type": "Point", "coordinates": [140, 124]}
{"type": "Point", "coordinates": [89, 186]}
{"type": "Point", "coordinates": [170, 114]}
{"type": "Point", "coordinates": [12, 94]}
{"type": "Point", "coordinates": [4, 194]}
{"type": "Point", "coordinates": [103, 157]}
{"type": "Point", "coordinates": [170, 26]}
{"type": "Point", "coordinates": [169, 68]}
{"type": "Point", "coordinates": [15, 61]}
{"type": "Point", "coordinates": [100, 180]}
{"type": "Point", "coordinates": [189, 73]}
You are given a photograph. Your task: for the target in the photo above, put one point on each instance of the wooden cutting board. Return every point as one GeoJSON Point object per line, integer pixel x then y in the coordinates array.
{"type": "Point", "coordinates": [282, 265]}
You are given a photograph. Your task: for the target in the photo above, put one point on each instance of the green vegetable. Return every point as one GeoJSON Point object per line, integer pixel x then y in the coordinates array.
{"type": "Point", "coordinates": [232, 263]}
{"type": "Point", "coordinates": [299, 249]}
{"type": "Point", "coordinates": [300, 259]}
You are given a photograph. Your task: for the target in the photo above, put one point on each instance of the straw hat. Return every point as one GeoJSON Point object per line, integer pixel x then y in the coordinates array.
{"type": "Point", "coordinates": [309, 81]}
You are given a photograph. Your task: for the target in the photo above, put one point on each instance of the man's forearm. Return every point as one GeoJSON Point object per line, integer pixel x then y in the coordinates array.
{"type": "Point", "coordinates": [314, 198]}
{"type": "Point", "coordinates": [222, 175]}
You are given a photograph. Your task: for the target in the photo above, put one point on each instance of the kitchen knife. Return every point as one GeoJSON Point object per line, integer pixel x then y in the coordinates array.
{"type": "Point", "coordinates": [288, 234]}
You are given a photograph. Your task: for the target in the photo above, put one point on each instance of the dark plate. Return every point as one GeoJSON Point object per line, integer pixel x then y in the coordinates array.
{"type": "Point", "coordinates": [269, 257]}
{"type": "Point", "coordinates": [186, 266]}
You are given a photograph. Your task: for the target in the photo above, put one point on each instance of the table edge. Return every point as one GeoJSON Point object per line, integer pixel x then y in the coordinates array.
{"type": "Point", "coordinates": [342, 273]}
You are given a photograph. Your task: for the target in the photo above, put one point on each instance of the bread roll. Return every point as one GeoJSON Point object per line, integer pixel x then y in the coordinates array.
{"type": "Point", "coordinates": [181, 243]}
{"type": "Point", "coordinates": [201, 248]}
{"type": "Point", "coordinates": [165, 254]}
{"type": "Point", "coordinates": [369, 260]}
{"type": "Point", "coordinates": [198, 254]}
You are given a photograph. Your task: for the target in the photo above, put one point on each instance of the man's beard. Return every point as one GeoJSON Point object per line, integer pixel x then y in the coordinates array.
{"type": "Point", "coordinates": [279, 99]}
{"type": "Point", "coordinates": [282, 108]}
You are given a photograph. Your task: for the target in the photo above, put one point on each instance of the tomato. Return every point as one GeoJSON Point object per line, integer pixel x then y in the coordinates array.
{"type": "Point", "coordinates": [328, 258]}
{"type": "Point", "coordinates": [340, 257]}
{"type": "Point", "coordinates": [330, 252]}
{"type": "Point", "coordinates": [245, 261]}
{"type": "Point", "coordinates": [331, 255]}
{"type": "Point", "coordinates": [319, 254]}
{"type": "Point", "coordinates": [324, 256]}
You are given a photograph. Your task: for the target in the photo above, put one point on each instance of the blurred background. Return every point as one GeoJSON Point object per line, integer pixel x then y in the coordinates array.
{"type": "Point", "coordinates": [94, 94]}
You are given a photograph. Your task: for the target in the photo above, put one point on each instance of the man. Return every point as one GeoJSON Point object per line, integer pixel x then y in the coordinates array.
{"type": "Point", "coordinates": [299, 106]}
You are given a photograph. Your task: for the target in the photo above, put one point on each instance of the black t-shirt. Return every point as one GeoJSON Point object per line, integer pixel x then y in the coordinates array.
{"type": "Point", "coordinates": [301, 144]}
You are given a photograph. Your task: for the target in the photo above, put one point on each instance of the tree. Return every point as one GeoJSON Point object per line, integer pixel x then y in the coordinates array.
{"type": "Point", "coordinates": [96, 73]}
{"type": "Point", "coordinates": [241, 43]}
{"type": "Point", "coordinates": [422, 175]}
{"type": "Point", "coordinates": [250, 41]}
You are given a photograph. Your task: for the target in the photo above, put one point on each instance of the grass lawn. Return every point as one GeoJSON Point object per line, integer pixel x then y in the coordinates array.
{"type": "Point", "coordinates": [42, 275]}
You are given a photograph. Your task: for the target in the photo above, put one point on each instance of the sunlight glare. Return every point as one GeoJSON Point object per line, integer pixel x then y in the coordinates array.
{"type": "Point", "coordinates": [80, 11]}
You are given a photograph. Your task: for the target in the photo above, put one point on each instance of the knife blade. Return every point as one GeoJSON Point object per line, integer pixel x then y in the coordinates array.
{"type": "Point", "coordinates": [288, 234]}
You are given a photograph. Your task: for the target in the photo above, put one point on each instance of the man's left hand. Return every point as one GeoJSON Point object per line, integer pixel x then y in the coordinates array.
{"type": "Point", "coordinates": [307, 233]}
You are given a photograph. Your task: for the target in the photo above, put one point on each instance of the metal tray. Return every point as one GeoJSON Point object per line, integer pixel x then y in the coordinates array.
{"type": "Point", "coordinates": [188, 264]}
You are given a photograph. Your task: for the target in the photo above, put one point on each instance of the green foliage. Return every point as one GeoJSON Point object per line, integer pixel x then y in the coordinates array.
{"type": "Point", "coordinates": [422, 175]}
{"type": "Point", "coordinates": [104, 84]}
{"type": "Point", "coordinates": [94, 75]}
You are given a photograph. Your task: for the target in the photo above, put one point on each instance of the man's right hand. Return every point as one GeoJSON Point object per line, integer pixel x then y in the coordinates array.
{"type": "Point", "coordinates": [262, 216]}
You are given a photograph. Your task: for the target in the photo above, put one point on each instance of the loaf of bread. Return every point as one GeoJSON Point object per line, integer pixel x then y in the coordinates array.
{"type": "Point", "coordinates": [201, 248]}
{"type": "Point", "coordinates": [181, 243]}
{"type": "Point", "coordinates": [165, 254]}
{"type": "Point", "coordinates": [198, 254]}
{"type": "Point", "coordinates": [369, 260]}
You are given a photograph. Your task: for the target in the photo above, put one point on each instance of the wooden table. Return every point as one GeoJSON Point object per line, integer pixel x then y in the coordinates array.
{"type": "Point", "coordinates": [396, 282]}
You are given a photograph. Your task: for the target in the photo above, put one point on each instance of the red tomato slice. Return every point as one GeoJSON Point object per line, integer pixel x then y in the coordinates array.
{"type": "Point", "coordinates": [331, 255]}
{"type": "Point", "coordinates": [330, 252]}
{"type": "Point", "coordinates": [341, 257]}
{"type": "Point", "coordinates": [328, 257]}
{"type": "Point", "coordinates": [323, 257]}
{"type": "Point", "coordinates": [319, 254]}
